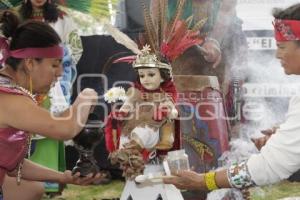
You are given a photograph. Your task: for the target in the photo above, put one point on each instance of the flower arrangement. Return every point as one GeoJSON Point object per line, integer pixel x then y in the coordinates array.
{"type": "Point", "coordinates": [115, 94]}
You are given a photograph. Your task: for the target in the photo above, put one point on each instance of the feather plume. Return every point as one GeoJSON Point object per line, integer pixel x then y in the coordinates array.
{"type": "Point", "coordinates": [199, 24]}
{"type": "Point", "coordinates": [189, 20]}
{"type": "Point", "coordinates": [163, 21]}
{"type": "Point", "coordinates": [115, 59]}
{"type": "Point", "coordinates": [181, 39]}
{"type": "Point", "coordinates": [8, 4]}
{"type": "Point", "coordinates": [158, 10]}
{"type": "Point", "coordinates": [176, 16]}
{"type": "Point", "coordinates": [172, 38]}
{"type": "Point", "coordinates": [154, 11]}
{"type": "Point", "coordinates": [122, 38]}
{"type": "Point", "coordinates": [159, 28]}
{"type": "Point", "coordinates": [150, 29]}
{"type": "Point", "coordinates": [5, 4]}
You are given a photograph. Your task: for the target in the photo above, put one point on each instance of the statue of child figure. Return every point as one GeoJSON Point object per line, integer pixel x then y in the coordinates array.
{"type": "Point", "coordinates": [144, 128]}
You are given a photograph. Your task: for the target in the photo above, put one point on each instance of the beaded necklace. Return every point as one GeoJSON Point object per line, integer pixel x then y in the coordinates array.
{"type": "Point", "coordinates": [5, 82]}
{"type": "Point", "coordinates": [29, 94]}
{"type": "Point", "coordinates": [38, 15]}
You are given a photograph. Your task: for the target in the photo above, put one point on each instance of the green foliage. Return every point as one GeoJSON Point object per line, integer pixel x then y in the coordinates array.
{"type": "Point", "coordinates": [6, 4]}
{"type": "Point", "coordinates": [114, 190]}
{"type": "Point", "coordinates": [277, 191]}
{"type": "Point", "coordinates": [96, 8]}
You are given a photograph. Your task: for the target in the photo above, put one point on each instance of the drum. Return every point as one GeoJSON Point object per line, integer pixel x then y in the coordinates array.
{"type": "Point", "coordinates": [203, 120]}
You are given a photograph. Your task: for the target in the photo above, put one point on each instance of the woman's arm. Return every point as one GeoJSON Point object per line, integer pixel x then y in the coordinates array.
{"type": "Point", "coordinates": [34, 172]}
{"type": "Point", "coordinates": [21, 113]}
{"type": "Point", "coordinates": [191, 180]}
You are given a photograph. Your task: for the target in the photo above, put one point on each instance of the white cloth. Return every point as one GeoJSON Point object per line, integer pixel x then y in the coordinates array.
{"type": "Point", "coordinates": [146, 136]}
{"type": "Point", "coordinates": [280, 157]}
{"type": "Point", "coordinates": [58, 100]}
{"type": "Point", "coordinates": [151, 190]}
{"type": "Point", "coordinates": [64, 26]}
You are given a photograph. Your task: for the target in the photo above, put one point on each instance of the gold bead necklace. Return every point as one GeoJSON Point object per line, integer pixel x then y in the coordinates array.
{"type": "Point", "coordinates": [20, 166]}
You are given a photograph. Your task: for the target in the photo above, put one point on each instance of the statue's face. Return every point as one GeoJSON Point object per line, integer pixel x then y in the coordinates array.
{"type": "Point", "coordinates": [150, 78]}
{"type": "Point", "coordinates": [38, 3]}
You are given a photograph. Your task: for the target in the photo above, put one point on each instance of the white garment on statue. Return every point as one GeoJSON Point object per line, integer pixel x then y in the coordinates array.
{"type": "Point", "coordinates": [280, 157]}
{"type": "Point", "coordinates": [146, 135]}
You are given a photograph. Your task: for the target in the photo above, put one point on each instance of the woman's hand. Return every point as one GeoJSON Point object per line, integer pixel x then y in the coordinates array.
{"type": "Point", "coordinates": [188, 180]}
{"type": "Point", "coordinates": [75, 179]}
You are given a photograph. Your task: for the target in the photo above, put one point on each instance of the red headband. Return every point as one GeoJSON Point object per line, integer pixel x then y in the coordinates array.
{"type": "Point", "coordinates": [286, 30]}
{"type": "Point", "coordinates": [48, 52]}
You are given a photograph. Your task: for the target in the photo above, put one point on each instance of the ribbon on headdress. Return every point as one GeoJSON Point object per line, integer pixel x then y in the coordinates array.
{"type": "Point", "coordinates": [126, 59]}
{"type": "Point", "coordinates": [39, 52]}
{"type": "Point", "coordinates": [286, 30]}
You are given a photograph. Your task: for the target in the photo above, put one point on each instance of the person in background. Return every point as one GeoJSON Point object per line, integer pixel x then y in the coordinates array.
{"type": "Point", "coordinates": [279, 157]}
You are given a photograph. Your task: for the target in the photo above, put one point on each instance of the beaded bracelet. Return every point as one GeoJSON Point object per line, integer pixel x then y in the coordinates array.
{"type": "Point", "coordinates": [210, 181]}
{"type": "Point", "coordinates": [239, 176]}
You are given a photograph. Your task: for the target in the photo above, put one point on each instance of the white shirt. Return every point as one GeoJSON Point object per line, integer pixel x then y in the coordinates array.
{"type": "Point", "coordinates": [280, 157]}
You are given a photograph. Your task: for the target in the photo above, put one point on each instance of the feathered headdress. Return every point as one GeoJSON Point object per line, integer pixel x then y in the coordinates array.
{"type": "Point", "coordinates": [167, 39]}
{"type": "Point", "coordinates": [170, 38]}
{"type": "Point", "coordinates": [96, 8]}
